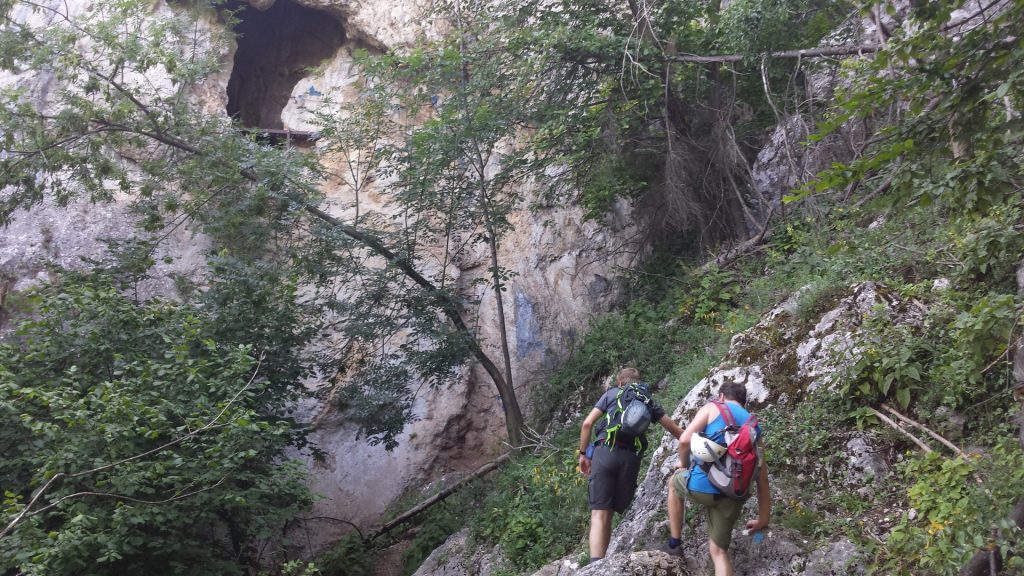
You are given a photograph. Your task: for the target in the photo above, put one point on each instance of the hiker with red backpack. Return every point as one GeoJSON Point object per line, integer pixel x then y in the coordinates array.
{"type": "Point", "coordinates": [619, 421]}
{"type": "Point", "coordinates": [721, 460]}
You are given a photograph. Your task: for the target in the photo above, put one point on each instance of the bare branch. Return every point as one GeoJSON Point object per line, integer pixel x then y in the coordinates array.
{"type": "Point", "coordinates": [855, 50]}
{"type": "Point", "coordinates": [927, 430]}
{"type": "Point", "coordinates": [416, 510]}
{"type": "Point", "coordinates": [924, 447]}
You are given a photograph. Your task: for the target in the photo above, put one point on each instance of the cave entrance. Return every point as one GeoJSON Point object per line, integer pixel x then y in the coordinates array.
{"type": "Point", "coordinates": [276, 48]}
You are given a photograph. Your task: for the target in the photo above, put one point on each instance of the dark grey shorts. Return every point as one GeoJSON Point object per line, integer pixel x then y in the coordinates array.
{"type": "Point", "coordinates": [613, 475]}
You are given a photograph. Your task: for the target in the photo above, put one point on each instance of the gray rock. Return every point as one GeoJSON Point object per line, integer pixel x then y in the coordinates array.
{"type": "Point", "coordinates": [952, 424]}
{"type": "Point", "coordinates": [453, 558]}
{"type": "Point", "coordinates": [864, 461]}
{"type": "Point", "coordinates": [837, 559]}
{"type": "Point", "coordinates": [644, 563]}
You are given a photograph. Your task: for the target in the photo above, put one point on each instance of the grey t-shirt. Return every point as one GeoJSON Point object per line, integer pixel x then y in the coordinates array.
{"type": "Point", "coordinates": [607, 401]}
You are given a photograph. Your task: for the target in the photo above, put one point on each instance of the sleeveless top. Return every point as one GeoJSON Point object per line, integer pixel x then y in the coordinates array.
{"type": "Point", "coordinates": [698, 478]}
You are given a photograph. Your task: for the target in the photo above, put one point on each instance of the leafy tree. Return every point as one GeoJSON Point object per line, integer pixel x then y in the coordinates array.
{"type": "Point", "coordinates": [135, 443]}
{"type": "Point", "coordinates": [125, 126]}
{"type": "Point", "coordinates": [947, 94]}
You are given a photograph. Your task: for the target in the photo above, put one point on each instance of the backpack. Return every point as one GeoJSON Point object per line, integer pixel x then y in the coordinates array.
{"type": "Point", "coordinates": [736, 471]}
{"type": "Point", "coordinates": [630, 413]}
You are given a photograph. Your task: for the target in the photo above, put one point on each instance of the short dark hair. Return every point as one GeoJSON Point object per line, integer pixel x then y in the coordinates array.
{"type": "Point", "coordinates": [734, 391]}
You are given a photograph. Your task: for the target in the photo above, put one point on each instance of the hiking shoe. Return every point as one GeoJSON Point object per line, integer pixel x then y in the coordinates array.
{"type": "Point", "coordinates": [677, 551]}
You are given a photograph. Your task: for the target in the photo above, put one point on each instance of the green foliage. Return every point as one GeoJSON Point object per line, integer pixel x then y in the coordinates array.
{"type": "Point", "coordinates": [961, 505]}
{"type": "Point", "coordinates": [708, 297]}
{"type": "Point", "coordinates": [757, 26]}
{"type": "Point", "coordinates": [297, 568]}
{"type": "Point", "coordinates": [818, 297]}
{"type": "Point", "coordinates": [889, 363]}
{"type": "Point", "coordinates": [808, 431]}
{"type": "Point", "coordinates": [536, 510]}
{"type": "Point", "coordinates": [805, 520]}
{"type": "Point", "coordinates": [975, 337]}
{"type": "Point", "coordinates": [347, 557]}
{"type": "Point", "coordinates": [136, 443]}
{"type": "Point", "coordinates": [958, 147]}
{"type": "Point", "coordinates": [988, 247]}
{"type": "Point", "coordinates": [640, 336]}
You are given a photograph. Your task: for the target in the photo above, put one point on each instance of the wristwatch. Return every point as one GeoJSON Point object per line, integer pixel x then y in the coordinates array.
{"type": "Point", "coordinates": [583, 452]}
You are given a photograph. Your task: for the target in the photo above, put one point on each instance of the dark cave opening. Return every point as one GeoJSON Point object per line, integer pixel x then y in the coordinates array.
{"type": "Point", "coordinates": [276, 48]}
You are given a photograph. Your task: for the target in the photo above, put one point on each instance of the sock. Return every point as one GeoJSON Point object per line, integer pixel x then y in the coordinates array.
{"type": "Point", "coordinates": [592, 559]}
{"type": "Point", "coordinates": [674, 542]}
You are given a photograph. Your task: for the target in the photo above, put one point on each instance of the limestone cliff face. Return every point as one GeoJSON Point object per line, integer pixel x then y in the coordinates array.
{"type": "Point", "coordinates": [564, 269]}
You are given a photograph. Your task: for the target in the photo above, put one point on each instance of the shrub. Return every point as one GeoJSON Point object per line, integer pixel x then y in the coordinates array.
{"type": "Point", "coordinates": [889, 363]}
{"type": "Point", "coordinates": [961, 505]}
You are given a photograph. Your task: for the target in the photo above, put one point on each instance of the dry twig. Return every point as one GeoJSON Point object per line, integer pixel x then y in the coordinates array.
{"type": "Point", "coordinates": [900, 429]}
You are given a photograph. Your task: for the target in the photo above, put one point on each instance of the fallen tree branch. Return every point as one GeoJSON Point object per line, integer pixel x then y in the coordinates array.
{"type": "Point", "coordinates": [900, 429]}
{"type": "Point", "coordinates": [742, 249]}
{"type": "Point", "coordinates": [440, 496]}
{"type": "Point", "coordinates": [882, 189]}
{"type": "Point", "coordinates": [927, 430]}
{"type": "Point", "coordinates": [333, 519]}
{"type": "Point", "coordinates": [858, 50]}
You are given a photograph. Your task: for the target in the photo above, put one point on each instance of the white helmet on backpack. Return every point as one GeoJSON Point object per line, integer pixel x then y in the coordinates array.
{"type": "Point", "coordinates": [705, 449]}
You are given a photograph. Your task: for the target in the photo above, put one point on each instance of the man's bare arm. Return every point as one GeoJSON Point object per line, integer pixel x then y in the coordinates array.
{"type": "Point", "coordinates": [764, 496]}
{"type": "Point", "coordinates": [669, 424]}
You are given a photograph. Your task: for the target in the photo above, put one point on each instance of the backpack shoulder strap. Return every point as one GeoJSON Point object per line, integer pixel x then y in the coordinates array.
{"type": "Point", "coordinates": [723, 408]}
{"type": "Point", "coordinates": [616, 406]}
{"type": "Point", "coordinates": [752, 422]}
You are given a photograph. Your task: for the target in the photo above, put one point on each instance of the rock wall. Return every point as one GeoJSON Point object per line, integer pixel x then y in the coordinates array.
{"type": "Point", "coordinates": [563, 269]}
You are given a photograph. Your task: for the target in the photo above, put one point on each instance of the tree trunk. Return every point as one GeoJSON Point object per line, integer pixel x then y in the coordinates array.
{"type": "Point", "coordinates": [513, 415]}
{"type": "Point", "coordinates": [439, 497]}
{"type": "Point", "coordinates": [510, 405]}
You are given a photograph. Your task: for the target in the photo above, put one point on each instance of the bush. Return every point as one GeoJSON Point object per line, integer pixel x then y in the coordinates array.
{"type": "Point", "coordinates": [709, 296]}
{"type": "Point", "coordinates": [135, 443]}
{"type": "Point", "coordinates": [961, 505]}
{"type": "Point", "coordinates": [348, 557]}
{"type": "Point", "coordinates": [638, 336]}
{"type": "Point", "coordinates": [536, 510]}
{"type": "Point", "coordinates": [889, 363]}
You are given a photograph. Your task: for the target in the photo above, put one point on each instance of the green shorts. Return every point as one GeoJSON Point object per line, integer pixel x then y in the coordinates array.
{"type": "Point", "coordinates": [722, 512]}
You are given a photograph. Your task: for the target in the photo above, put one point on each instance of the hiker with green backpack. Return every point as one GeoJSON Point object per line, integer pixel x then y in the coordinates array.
{"type": "Point", "coordinates": [727, 451]}
{"type": "Point", "coordinates": [618, 423]}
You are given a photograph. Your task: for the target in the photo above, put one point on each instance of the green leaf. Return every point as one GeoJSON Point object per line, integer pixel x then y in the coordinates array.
{"type": "Point", "coordinates": [903, 397]}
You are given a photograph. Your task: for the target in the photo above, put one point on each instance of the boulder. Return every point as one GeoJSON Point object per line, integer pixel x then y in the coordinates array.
{"type": "Point", "coordinates": [455, 558]}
